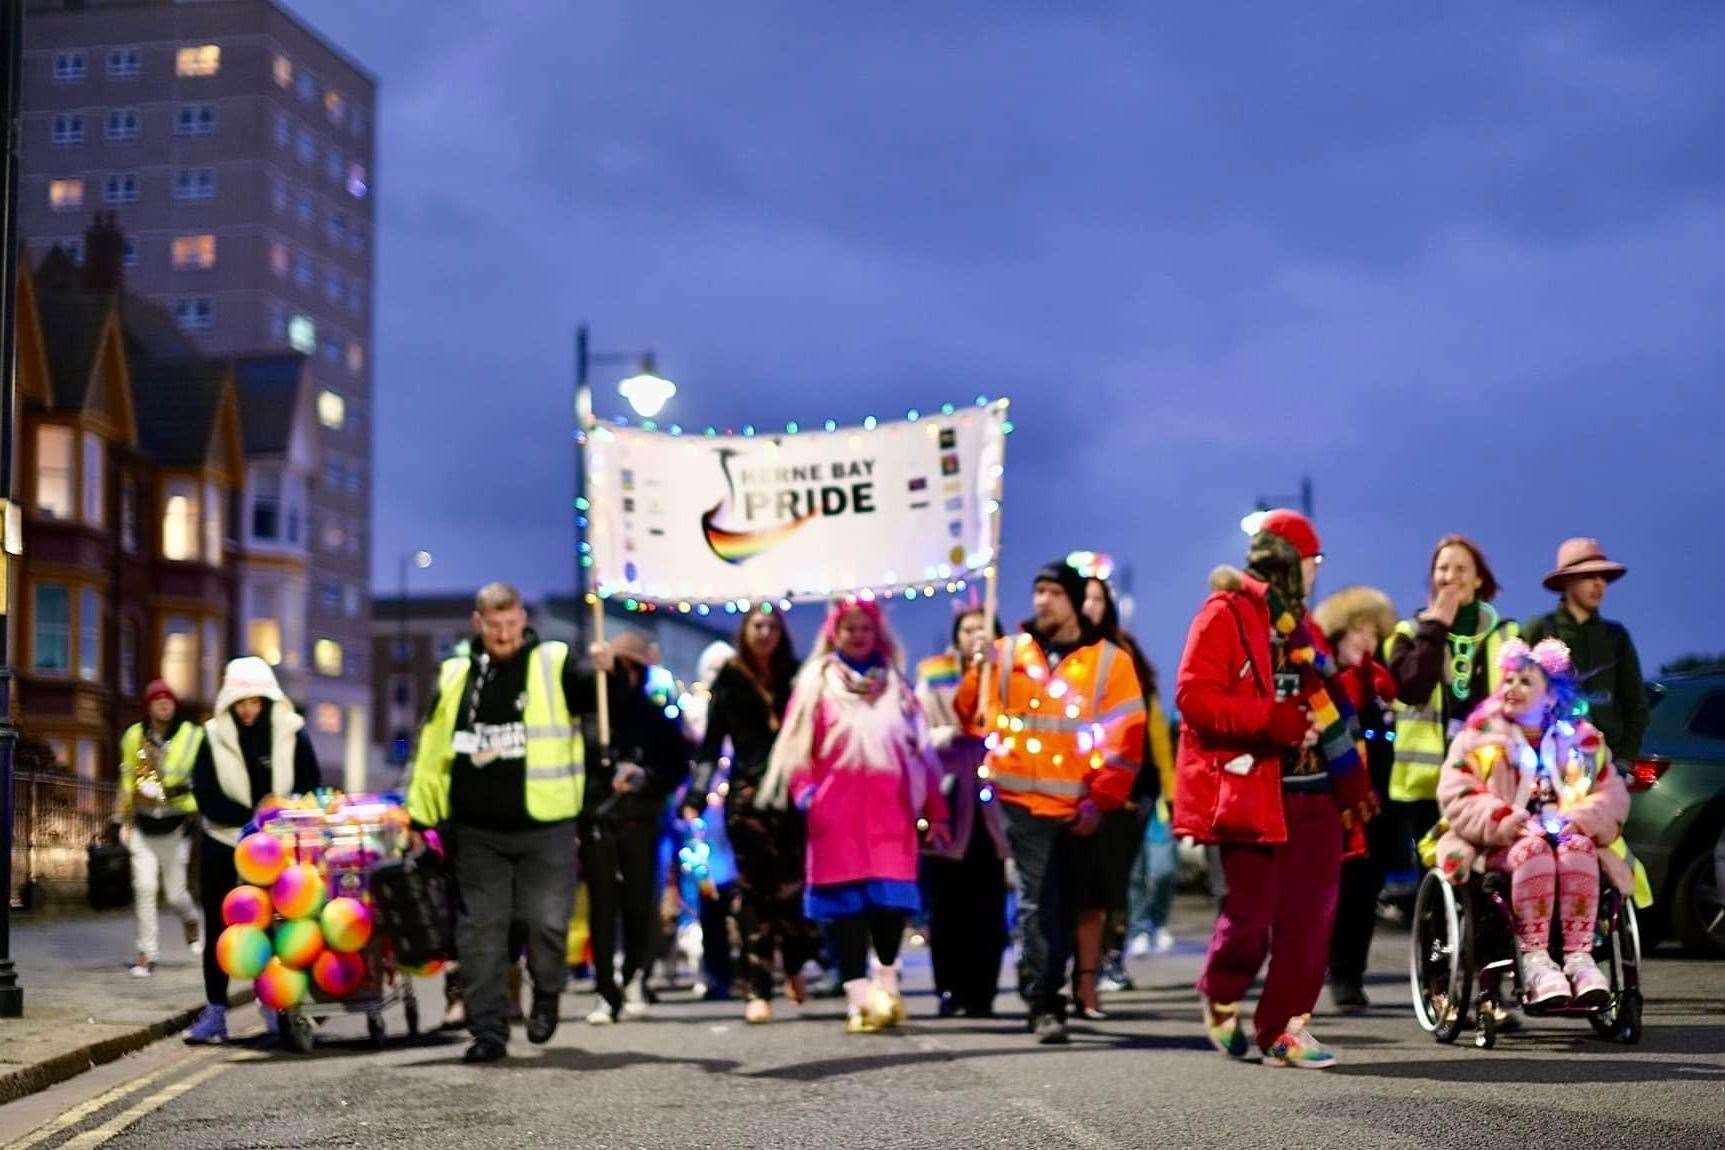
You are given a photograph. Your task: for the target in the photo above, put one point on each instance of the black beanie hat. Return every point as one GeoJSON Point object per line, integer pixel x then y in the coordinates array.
{"type": "Point", "coordinates": [1069, 580]}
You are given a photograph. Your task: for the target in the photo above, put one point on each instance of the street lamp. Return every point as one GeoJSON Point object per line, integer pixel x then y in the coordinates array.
{"type": "Point", "coordinates": [11, 52]}
{"type": "Point", "coordinates": [1254, 519]}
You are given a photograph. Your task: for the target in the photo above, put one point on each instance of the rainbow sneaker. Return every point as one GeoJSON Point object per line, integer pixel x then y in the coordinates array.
{"type": "Point", "coordinates": [1222, 1025]}
{"type": "Point", "coordinates": [1296, 1047]}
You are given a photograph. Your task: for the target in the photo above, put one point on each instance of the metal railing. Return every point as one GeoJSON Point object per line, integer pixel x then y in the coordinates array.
{"type": "Point", "coordinates": [56, 814]}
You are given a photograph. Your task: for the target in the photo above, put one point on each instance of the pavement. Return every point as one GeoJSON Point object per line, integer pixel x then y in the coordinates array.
{"type": "Point", "coordinates": [693, 1074]}
{"type": "Point", "coordinates": [81, 1006]}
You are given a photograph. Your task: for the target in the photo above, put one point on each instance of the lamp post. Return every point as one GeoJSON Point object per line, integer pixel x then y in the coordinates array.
{"type": "Point", "coordinates": [403, 657]}
{"type": "Point", "coordinates": [647, 393]}
{"type": "Point", "coordinates": [11, 994]}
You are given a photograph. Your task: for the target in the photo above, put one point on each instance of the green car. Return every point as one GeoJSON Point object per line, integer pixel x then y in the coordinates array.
{"type": "Point", "coordinates": [1677, 809]}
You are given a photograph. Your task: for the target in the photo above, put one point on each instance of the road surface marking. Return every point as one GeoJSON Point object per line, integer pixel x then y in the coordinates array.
{"type": "Point", "coordinates": [82, 1111]}
{"type": "Point", "coordinates": [116, 1125]}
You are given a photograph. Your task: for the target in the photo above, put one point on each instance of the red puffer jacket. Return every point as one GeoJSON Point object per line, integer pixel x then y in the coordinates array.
{"type": "Point", "coordinates": [1233, 732]}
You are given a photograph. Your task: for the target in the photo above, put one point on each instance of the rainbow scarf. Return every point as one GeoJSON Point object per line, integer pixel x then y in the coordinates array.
{"type": "Point", "coordinates": [1338, 727]}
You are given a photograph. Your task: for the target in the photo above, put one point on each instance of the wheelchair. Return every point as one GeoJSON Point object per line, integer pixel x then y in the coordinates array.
{"type": "Point", "coordinates": [1465, 967]}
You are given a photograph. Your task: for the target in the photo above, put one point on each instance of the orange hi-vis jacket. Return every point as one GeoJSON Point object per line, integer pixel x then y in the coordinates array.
{"type": "Point", "coordinates": [1058, 736]}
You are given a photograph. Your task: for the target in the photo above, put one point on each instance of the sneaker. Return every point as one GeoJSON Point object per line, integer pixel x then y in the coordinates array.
{"type": "Point", "coordinates": [601, 1014]}
{"type": "Point", "coordinates": [635, 997]}
{"type": "Point", "coordinates": [1050, 1030]}
{"type": "Point", "coordinates": [1164, 940]}
{"type": "Point", "coordinates": [542, 1019]}
{"type": "Point", "coordinates": [860, 1017]}
{"type": "Point", "coordinates": [1089, 1013]}
{"type": "Point", "coordinates": [946, 1007]}
{"type": "Point", "coordinates": [1296, 1047]}
{"type": "Point", "coordinates": [757, 1012]}
{"type": "Point", "coordinates": [1543, 984]}
{"type": "Point", "coordinates": [210, 1029]}
{"type": "Point", "coordinates": [1586, 980]}
{"type": "Point", "coordinates": [1139, 947]}
{"type": "Point", "coordinates": [485, 1050]}
{"type": "Point", "coordinates": [1222, 1024]}
{"type": "Point", "coordinates": [1348, 995]}
{"type": "Point", "coordinates": [143, 968]}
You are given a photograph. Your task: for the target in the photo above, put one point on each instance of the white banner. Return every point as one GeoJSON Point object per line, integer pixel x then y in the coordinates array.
{"type": "Point", "coordinates": [795, 516]}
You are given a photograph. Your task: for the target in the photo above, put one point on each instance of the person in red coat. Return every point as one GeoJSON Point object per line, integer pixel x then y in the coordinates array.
{"type": "Point", "coordinates": [1270, 770]}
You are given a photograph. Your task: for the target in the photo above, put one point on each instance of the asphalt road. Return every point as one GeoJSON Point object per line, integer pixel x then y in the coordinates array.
{"type": "Point", "coordinates": [694, 1075]}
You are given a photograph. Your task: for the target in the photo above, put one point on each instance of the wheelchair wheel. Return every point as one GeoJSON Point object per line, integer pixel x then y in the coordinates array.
{"type": "Point", "coordinates": [1620, 954]}
{"type": "Point", "coordinates": [1440, 960]}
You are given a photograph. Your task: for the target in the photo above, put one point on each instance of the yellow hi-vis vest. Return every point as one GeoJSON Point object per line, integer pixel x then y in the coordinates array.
{"type": "Point", "coordinates": [175, 769]}
{"type": "Point", "coordinates": [1420, 738]}
{"type": "Point", "coordinates": [555, 752]}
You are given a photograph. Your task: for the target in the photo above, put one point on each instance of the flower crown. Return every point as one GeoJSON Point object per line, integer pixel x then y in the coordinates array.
{"type": "Point", "coordinates": [1551, 655]}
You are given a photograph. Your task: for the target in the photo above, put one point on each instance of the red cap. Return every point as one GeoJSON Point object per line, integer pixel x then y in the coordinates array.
{"type": "Point", "coordinates": [1295, 528]}
{"type": "Point", "coordinates": [159, 689]}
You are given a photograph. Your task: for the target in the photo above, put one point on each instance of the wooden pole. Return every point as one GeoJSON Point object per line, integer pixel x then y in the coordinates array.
{"type": "Point", "coordinates": [601, 683]}
{"type": "Point", "coordinates": [601, 680]}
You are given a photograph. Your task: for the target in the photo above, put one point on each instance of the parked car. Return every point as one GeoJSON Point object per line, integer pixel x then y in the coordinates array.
{"type": "Point", "coordinates": [1677, 808]}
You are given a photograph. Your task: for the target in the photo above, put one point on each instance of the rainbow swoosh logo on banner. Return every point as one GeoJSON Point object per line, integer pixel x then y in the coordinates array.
{"type": "Point", "coordinates": [738, 547]}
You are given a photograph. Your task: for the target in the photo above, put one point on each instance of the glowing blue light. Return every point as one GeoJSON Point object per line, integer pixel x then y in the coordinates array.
{"type": "Point", "coordinates": [869, 423]}
{"type": "Point", "coordinates": [831, 425]}
{"type": "Point", "coordinates": [792, 427]}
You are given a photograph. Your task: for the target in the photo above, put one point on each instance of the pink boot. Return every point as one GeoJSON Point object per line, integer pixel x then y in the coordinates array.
{"type": "Point", "coordinates": [1586, 979]}
{"type": "Point", "coordinates": [1542, 981]}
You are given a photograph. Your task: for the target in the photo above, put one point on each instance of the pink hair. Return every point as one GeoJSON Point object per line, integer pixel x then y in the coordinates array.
{"type": "Point", "coordinates": [885, 642]}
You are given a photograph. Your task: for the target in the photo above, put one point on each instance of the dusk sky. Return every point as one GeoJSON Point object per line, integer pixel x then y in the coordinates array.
{"type": "Point", "coordinates": [1464, 269]}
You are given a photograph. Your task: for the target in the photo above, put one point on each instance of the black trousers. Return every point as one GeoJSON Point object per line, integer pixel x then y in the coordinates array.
{"type": "Point", "coordinates": [853, 934]}
{"type": "Point", "coordinates": [502, 877]}
{"type": "Point", "coordinates": [1357, 897]}
{"type": "Point", "coordinates": [216, 877]}
{"type": "Point", "coordinates": [619, 861]}
{"type": "Point", "coordinates": [769, 849]}
{"type": "Point", "coordinates": [716, 956]}
{"type": "Point", "coordinates": [967, 921]}
{"type": "Point", "coordinates": [1047, 906]}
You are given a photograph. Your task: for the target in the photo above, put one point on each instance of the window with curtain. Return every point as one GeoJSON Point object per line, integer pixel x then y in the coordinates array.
{"type": "Point", "coordinates": [180, 656]}
{"type": "Point", "coordinates": [180, 520]}
{"type": "Point", "coordinates": [128, 657]}
{"type": "Point", "coordinates": [95, 480]}
{"type": "Point", "coordinates": [89, 635]}
{"type": "Point", "coordinates": [214, 524]}
{"type": "Point", "coordinates": [129, 513]}
{"type": "Point", "coordinates": [55, 482]}
{"type": "Point", "coordinates": [211, 651]}
{"type": "Point", "coordinates": [51, 649]}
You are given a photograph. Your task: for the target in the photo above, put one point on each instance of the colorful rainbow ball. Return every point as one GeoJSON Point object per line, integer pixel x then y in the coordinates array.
{"type": "Point", "coordinates": [281, 987]}
{"type": "Point", "coordinates": [299, 942]}
{"type": "Point", "coordinates": [425, 969]}
{"type": "Point", "coordinates": [337, 974]}
{"type": "Point", "coordinates": [299, 892]}
{"type": "Point", "coordinates": [247, 906]}
{"type": "Point", "coordinates": [243, 951]}
{"type": "Point", "coordinates": [260, 859]}
{"type": "Point", "coordinates": [347, 925]}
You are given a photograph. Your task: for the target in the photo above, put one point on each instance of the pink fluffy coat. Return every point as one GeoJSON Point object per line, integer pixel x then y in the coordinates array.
{"type": "Point", "coordinates": [867, 777]}
{"type": "Point", "coordinates": [1485, 809]}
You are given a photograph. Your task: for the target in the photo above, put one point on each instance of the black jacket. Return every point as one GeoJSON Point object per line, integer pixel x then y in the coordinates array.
{"type": "Point", "coordinates": [642, 732]}
{"type": "Point", "coordinates": [738, 711]}
{"type": "Point", "coordinates": [1610, 674]}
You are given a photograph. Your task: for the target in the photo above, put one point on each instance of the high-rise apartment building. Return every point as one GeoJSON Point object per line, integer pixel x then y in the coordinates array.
{"type": "Point", "coordinates": [236, 147]}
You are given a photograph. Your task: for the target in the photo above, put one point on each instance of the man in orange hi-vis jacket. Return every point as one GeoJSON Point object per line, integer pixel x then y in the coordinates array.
{"type": "Point", "coordinates": [1064, 719]}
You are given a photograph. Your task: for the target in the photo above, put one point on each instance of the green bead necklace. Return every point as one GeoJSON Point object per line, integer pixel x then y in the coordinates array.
{"type": "Point", "coordinates": [1462, 649]}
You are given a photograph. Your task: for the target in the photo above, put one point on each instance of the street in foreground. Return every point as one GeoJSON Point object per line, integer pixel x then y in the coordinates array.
{"type": "Point", "coordinates": [693, 1075]}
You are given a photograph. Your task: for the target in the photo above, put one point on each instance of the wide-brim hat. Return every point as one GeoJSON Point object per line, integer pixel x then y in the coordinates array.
{"type": "Point", "coordinates": [1577, 557]}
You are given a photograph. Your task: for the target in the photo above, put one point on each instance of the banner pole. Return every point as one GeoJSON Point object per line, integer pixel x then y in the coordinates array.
{"type": "Point", "coordinates": [601, 680]}
{"type": "Point", "coordinates": [991, 587]}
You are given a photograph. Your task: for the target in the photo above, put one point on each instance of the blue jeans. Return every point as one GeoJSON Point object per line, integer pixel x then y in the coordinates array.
{"type": "Point", "coordinates": [1154, 873]}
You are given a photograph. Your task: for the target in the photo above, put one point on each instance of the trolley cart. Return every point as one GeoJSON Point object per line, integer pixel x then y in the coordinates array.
{"type": "Point", "coordinates": [347, 846]}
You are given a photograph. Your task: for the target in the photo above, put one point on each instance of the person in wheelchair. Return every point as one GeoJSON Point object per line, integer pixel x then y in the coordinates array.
{"type": "Point", "coordinates": [1530, 787]}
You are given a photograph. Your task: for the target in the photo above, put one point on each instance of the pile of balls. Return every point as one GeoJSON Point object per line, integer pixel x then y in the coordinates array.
{"type": "Point", "coordinates": [318, 939]}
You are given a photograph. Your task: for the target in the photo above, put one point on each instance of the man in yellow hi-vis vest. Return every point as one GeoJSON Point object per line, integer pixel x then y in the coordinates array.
{"type": "Point", "coordinates": [155, 809]}
{"type": "Point", "coordinates": [499, 770]}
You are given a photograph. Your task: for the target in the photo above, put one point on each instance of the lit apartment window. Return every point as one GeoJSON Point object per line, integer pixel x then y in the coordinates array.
{"type": "Point", "coordinates": [334, 106]}
{"type": "Point", "coordinates": [122, 126]}
{"type": "Point", "coordinates": [195, 120]}
{"type": "Point", "coordinates": [180, 520]}
{"type": "Point", "coordinates": [303, 209]}
{"type": "Point", "coordinates": [180, 656]}
{"type": "Point", "coordinates": [120, 188]}
{"type": "Point", "coordinates": [326, 657]}
{"type": "Point", "coordinates": [70, 66]}
{"type": "Point", "coordinates": [95, 480]}
{"type": "Point", "coordinates": [125, 63]}
{"type": "Point", "coordinates": [331, 410]}
{"type": "Point", "coordinates": [194, 253]}
{"type": "Point", "coordinates": [334, 287]}
{"type": "Point", "coordinates": [55, 484]}
{"type": "Point", "coordinates": [282, 68]}
{"type": "Point", "coordinates": [264, 638]}
{"type": "Point", "coordinates": [356, 185]}
{"type": "Point", "coordinates": [355, 357]}
{"type": "Point", "coordinates": [51, 648]}
{"type": "Point", "coordinates": [195, 313]}
{"type": "Point", "coordinates": [200, 60]}
{"type": "Point", "coordinates": [326, 717]}
{"type": "Point", "coordinates": [303, 272]}
{"type": "Point", "coordinates": [129, 254]}
{"type": "Point", "coordinates": [215, 523]}
{"type": "Point", "coordinates": [194, 183]}
{"type": "Point", "coordinates": [305, 146]}
{"type": "Point", "coordinates": [280, 260]}
{"type": "Point", "coordinates": [68, 128]}
{"type": "Point", "coordinates": [306, 85]}
{"type": "Point", "coordinates": [302, 333]}
{"type": "Point", "coordinates": [89, 635]}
